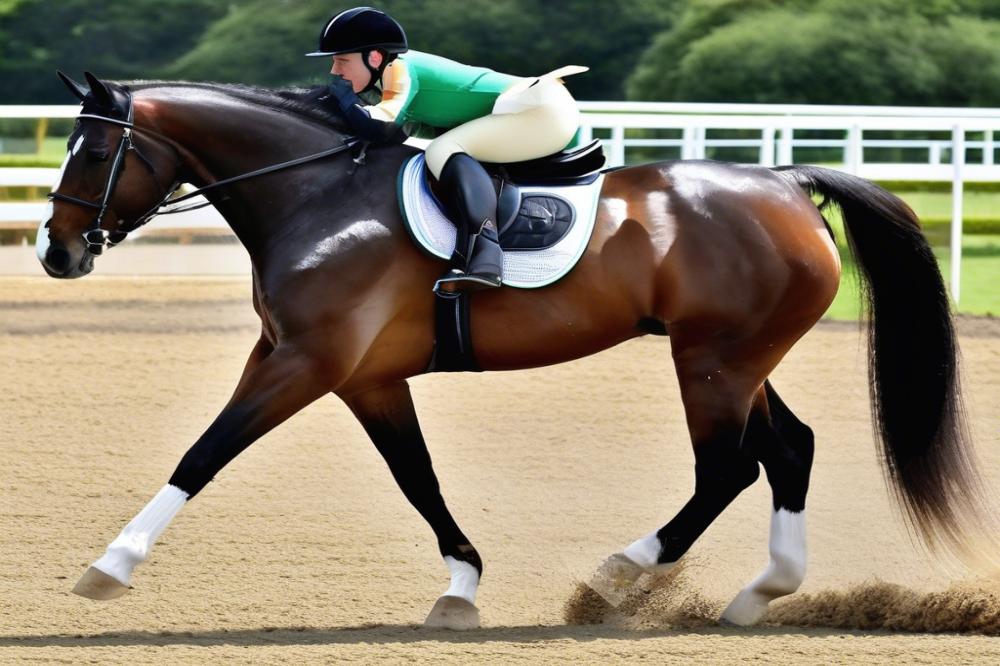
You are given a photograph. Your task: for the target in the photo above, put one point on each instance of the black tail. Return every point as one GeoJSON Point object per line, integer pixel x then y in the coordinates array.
{"type": "Point", "coordinates": [913, 359]}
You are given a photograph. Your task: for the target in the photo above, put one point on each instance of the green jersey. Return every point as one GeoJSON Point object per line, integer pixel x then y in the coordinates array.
{"type": "Point", "coordinates": [420, 89]}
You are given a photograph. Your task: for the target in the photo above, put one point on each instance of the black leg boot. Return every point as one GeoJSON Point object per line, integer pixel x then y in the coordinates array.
{"type": "Point", "coordinates": [478, 260]}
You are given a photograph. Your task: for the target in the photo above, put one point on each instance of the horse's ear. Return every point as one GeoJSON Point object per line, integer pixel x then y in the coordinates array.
{"type": "Point", "coordinates": [100, 90]}
{"type": "Point", "coordinates": [73, 86]}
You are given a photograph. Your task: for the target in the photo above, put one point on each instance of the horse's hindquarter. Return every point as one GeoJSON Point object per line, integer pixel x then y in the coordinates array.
{"type": "Point", "coordinates": [751, 250]}
{"type": "Point", "coordinates": [690, 244]}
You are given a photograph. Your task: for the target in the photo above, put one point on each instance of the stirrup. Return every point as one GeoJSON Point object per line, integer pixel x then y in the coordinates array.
{"type": "Point", "coordinates": [465, 283]}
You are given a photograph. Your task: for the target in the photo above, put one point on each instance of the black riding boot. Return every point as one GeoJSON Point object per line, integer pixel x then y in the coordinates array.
{"type": "Point", "coordinates": [478, 260]}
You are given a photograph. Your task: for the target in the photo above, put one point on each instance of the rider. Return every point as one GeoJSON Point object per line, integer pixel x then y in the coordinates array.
{"type": "Point", "coordinates": [385, 90]}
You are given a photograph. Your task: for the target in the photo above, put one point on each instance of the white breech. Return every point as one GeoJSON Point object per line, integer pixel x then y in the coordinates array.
{"type": "Point", "coordinates": [525, 124]}
{"type": "Point", "coordinates": [784, 574]}
{"type": "Point", "coordinates": [133, 544]}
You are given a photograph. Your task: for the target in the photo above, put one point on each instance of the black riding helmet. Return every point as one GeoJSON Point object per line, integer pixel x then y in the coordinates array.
{"type": "Point", "coordinates": [362, 30]}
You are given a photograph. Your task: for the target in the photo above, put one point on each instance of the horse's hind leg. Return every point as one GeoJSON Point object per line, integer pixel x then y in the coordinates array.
{"type": "Point", "coordinates": [388, 417]}
{"type": "Point", "coordinates": [717, 399]}
{"type": "Point", "coordinates": [784, 445]}
{"type": "Point", "coordinates": [717, 388]}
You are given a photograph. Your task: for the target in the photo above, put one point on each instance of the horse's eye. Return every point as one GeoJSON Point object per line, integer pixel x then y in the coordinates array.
{"type": "Point", "coordinates": [97, 154]}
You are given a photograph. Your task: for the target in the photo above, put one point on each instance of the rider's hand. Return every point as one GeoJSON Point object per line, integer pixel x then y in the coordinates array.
{"type": "Point", "coordinates": [342, 90]}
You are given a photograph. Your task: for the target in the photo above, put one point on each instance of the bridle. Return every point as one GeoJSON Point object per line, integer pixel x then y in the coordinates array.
{"type": "Point", "coordinates": [97, 238]}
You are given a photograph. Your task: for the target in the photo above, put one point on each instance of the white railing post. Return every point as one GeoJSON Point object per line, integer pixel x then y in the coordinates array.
{"type": "Point", "coordinates": [766, 147]}
{"type": "Point", "coordinates": [958, 162]}
{"type": "Point", "coordinates": [699, 143]}
{"type": "Point", "coordinates": [855, 150]}
{"type": "Point", "coordinates": [934, 157]}
{"type": "Point", "coordinates": [687, 143]}
{"type": "Point", "coordinates": [617, 145]}
{"type": "Point", "coordinates": [785, 145]}
{"type": "Point", "coordinates": [586, 134]}
{"type": "Point", "coordinates": [988, 147]}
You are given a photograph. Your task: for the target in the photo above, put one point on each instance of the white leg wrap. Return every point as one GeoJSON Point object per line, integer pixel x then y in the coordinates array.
{"type": "Point", "coordinates": [464, 579]}
{"type": "Point", "coordinates": [784, 574]}
{"type": "Point", "coordinates": [645, 552]}
{"type": "Point", "coordinates": [132, 546]}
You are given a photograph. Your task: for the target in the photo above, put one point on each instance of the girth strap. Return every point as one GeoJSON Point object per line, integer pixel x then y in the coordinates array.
{"type": "Point", "coordinates": [452, 335]}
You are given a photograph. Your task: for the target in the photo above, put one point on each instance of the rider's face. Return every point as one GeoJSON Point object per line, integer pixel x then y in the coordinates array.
{"type": "Point", "coordinates": [352, 67]}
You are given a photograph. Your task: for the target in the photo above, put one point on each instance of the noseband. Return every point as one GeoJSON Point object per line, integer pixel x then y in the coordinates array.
{"type": "Point", "coordinates": [97, 238]}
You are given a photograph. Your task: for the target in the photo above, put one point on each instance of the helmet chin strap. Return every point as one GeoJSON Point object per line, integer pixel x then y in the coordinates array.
{"type": "Point", "coordinates": [376, 72]}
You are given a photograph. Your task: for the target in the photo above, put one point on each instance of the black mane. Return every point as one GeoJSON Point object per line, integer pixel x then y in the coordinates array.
{"type": "Point", "coordinates": [298, 101]}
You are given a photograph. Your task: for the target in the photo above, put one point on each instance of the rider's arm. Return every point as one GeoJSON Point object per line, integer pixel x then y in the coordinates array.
{"type": "Point", "coordinates": [358, 115]}
{"type": "Point", "coordinates": [379, 122]}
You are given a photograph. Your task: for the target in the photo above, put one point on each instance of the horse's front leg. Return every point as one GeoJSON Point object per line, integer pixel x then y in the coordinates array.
{"type": "Point", "coordinates": [274, 386]}
{"type": "Point", "coordinates": [388, 417]}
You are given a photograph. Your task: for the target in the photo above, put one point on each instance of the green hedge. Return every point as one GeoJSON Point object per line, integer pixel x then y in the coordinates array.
{"type": "Point", "coordinates": [970, 225]}
{"type": "Point", "coordinates": [936, 186]}
{"type": "Point", "coordinates": [30, 161]}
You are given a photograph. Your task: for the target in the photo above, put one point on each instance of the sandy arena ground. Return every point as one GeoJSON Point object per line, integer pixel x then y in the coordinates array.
{"type": "Point", "coordinates": [303, 550]}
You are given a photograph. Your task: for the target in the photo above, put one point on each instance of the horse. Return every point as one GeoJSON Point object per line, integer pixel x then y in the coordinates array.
{"type": "Point", "coordinates": [732, 263]}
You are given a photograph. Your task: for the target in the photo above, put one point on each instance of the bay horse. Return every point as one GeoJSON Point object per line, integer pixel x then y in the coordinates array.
{"type": "Point", "coordinates": [734, 263]}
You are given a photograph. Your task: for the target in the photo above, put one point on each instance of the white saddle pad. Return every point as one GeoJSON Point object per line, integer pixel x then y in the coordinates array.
{"type": "Point", "coordinates": [525, 269]}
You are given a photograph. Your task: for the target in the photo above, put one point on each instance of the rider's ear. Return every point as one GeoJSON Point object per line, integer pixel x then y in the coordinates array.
{"type": "Point", "coordinates": [376, 58]}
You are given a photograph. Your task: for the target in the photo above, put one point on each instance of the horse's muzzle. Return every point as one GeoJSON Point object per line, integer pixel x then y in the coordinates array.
{"type": "Point", "coordinates": [59, 262]}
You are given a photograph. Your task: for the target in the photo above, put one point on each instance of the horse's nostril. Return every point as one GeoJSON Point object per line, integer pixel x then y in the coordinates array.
{"type": "Point", "coordinates": [57, 259]}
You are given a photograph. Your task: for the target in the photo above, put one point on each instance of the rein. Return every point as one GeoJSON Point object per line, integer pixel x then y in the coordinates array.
{"type": "Point", "coordinates": [97, 238]}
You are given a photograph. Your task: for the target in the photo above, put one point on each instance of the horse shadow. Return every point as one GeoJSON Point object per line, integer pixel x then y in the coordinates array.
{"type": "Point", "coordinates": [384, 634]}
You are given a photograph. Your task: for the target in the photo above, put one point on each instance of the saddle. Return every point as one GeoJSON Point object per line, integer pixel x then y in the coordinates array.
{"type": "Point", "coordinates": [531, 215]}
{"type": "Point", "coordinates": [568, 167]}
{"type": "Point", "coordinates": [538, 221]}
{"type": "Point", "coordinates": [545, 215]}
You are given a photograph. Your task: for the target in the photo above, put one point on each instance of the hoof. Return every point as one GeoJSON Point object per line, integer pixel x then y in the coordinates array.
{"type": "Point", "coordinates": [614, 578]}
{"type": "Point", "coordinates": [95, 584]}
{"type": "Point", "coordinates": [745, 610]}
{"type": "Point", "coordinates": [453, 613]}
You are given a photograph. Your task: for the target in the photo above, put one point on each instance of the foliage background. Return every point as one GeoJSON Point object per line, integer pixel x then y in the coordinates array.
{"type": "Point", "coordinates": [933, 52]}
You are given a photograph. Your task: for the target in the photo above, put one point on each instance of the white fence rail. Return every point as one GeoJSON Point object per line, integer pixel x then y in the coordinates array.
{"type": "Point", "coordinates": [776, 142]}
{"type": "Point", "coordinates": [775, 134]}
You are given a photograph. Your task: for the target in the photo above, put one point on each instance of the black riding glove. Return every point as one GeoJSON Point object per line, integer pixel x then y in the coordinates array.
{"type": "Point", "coordinates": [351, 106]}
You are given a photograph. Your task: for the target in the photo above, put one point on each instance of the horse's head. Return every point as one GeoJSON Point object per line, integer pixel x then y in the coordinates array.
{"type": "Point", "coordinates": [106, 184]}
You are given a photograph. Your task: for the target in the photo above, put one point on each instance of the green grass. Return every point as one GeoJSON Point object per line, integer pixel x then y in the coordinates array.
{"type": "Point", "coordinates": [938, 204]}
{"type": "Point", "coordinates": [980, 288]}
{"type": "Point", "coordinates": [980, 293]}
{"type": "Point", "coordinates": [52, 154]}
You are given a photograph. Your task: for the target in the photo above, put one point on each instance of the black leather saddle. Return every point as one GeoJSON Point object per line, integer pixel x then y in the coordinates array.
{"type": "Point", "coordinates": [569, 167]}
{"type": "Point", "coordinates": [538, 220]}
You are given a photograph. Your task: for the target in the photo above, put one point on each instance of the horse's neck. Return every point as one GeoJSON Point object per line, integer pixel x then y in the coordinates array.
{"type": "Point", "coordinates": [220, 137]}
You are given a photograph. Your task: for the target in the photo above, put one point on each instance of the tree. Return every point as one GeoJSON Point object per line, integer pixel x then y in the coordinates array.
{"type": "Point", "coordinates": [113, 39]}
{"type": "Point", "coordinates": [839, 52]}
{"type": "Point", "coordinates": [262, 42]}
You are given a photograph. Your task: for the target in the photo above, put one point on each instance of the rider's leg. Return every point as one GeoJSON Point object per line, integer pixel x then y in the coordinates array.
{"type": "Point", "coordinates": [478, 260]}
{"type": "Point", "coordinates": [539, 121]}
